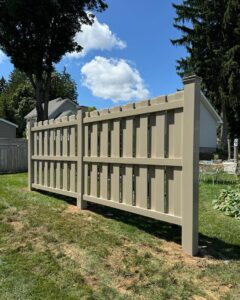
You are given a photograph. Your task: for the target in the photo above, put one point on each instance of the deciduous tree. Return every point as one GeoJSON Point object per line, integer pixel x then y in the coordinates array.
{"type": "Point", "coordinates": [18, 97]}
{"type": "Point", "coordinates": [37, 34]}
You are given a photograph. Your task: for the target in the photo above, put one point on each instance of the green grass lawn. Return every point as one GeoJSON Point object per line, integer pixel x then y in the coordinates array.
{"type": "Point", "coordinates": [51, 250]}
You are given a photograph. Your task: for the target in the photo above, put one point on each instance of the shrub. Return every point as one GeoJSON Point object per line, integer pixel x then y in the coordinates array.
{"type": "Point", "coordinates": [228, 202]}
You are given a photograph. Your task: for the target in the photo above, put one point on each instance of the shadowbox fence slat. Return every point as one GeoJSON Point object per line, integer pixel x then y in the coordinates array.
{"type": "Point", "coordinates": [140, 158]}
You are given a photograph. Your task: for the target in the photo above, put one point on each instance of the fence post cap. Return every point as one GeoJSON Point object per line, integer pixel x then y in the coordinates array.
{"type": "Point", "coordinates": [192, 79]}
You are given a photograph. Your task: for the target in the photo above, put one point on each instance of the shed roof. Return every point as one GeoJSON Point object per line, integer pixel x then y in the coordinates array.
{"type": "Point", "coordinates": [211, 109]}
{"type": "Point", "coordinates": [8, 122]}
{"type": "Point", "coordinates": [65, 113]}
{"type": "Point", "coordinates": [53, 105]}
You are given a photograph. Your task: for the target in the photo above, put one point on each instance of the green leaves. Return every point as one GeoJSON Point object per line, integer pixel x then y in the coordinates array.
{"type": "Point", "coordinates": [210, 32]}
{"type": "Point", "coordinates": [17, 98]}
{"type": "Point", "coordinates": [37, 34]}
{"type": "Point", "coordinates": [228, 202]}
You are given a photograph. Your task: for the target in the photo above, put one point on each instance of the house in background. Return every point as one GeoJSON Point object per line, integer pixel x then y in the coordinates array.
{"type": "Point", "coordinates": [7, 129]}
{"type": "Point", "coordinates": [57, 108]}
{"type": "Point", "coordinates": [209, 123]}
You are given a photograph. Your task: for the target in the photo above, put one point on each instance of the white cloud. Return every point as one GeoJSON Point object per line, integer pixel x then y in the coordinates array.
{"type": "Point", "coordinates": [113, 79]}
{"type": "Point", "coordinates": [2, 56]}
{"type": "Point", "coordinates": [96, 37]}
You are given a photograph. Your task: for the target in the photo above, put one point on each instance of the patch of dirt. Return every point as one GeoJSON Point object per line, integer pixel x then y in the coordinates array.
{"type": "Point", "coordinates": [211, 295]}
{"type": "Point", "coordinates": [73, 253]}
{"type": "Point", "coordinates": [213, 289]}
{"type": "Point", "coordinates": [92, 281]}
{"type": "Point", "coordinates": [175, 254]}
{"type": "Point", "coordinates": [72, 209]}
{"type": "Point", "coordinates": [114, 260]}
{"type": "Point", "coordinates": [124, 286]}
{"type": "Point", "coordinates": [70, 251]}
{"type": "Point", "coordinates": [38, 244]}
{"type": "Point", "coordinates": [120, 259]}
{"type": "Point", "coordinates": [12, 211]}
{"type": "Point", "coordinates": [225, 288]}
{"type": "Point", "coordinates": [125, 274]}
{"type": "Point", "coordinates": [17, 225]}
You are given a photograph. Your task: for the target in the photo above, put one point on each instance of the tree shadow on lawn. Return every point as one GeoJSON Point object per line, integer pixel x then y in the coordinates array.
{"type": "Point", "coordinates": [208, 246]}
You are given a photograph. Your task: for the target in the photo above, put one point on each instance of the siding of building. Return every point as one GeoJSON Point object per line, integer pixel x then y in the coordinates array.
{"type": "Point", "coordinates": [68, 106]}
{"type": "Point", "coordinates": [7, 131]}
{"type": "Point", "coordinates": [56, 108]}
{"type": "Point", "coordinates": [208, 131]}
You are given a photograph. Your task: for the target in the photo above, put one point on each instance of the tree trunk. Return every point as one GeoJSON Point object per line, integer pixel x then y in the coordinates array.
{"type": "Point", "coordinates": [47, 95]}
{"type": "Point", "coordinates": [39, 100]}
{"type": "Point", "coordinates": [42, 91]}
{"type": "Point", "coordinates": [224, 129]}
{"type": "Point", "coordinates": [42, 97]}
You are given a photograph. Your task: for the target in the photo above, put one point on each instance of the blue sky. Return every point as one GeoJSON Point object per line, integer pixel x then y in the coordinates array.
{"type": "Point", "coordinates": [128, 55]}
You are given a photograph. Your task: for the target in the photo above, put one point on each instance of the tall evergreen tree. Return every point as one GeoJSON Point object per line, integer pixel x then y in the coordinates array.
{"type": "Point", "coordinates": [3, 84]}
{"type": "Point", "coordinates": [210, 33]}
{"type": "Point", "coordinates": [231, 63]}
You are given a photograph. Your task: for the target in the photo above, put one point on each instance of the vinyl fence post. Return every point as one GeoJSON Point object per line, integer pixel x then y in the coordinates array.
{"type": "Point", "coordinates": [30, 153]}
{"type": "Point", "coordinates": [80, 140]}
{"type": "Point", "coordinates": [192, 97]}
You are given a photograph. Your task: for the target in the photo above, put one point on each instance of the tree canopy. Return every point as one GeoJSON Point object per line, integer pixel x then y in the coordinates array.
{"type": "Point", "coordinates": [2, 84]}
{"type": "Point", "coordinates": [17, 98]}
{"type": "Point", "coordinates": [63, 86]}
{"type": "Point", "coordinates": [210, 32]}
{"type": "Point", "coordinates": [37, 34]}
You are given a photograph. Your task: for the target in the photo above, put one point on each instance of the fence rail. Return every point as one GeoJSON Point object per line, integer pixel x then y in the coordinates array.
{"type": "Point", "coordinates": [13, 155]}
{"type": "Point", "coordinates": [140, 158]}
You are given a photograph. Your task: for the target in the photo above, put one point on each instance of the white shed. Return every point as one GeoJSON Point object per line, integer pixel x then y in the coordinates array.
{"type": "Point", "coordinates": [209, 123]}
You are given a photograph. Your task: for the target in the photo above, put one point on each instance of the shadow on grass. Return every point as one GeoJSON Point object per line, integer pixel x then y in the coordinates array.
{"type": "Point", "coordinates": [69, 200]}
{"type": "Point", "coordinates": [209, 246]}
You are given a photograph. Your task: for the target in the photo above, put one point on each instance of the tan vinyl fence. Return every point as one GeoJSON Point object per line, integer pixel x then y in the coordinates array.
{"type": "Point", "coordinates": [141, 158]}
{"type": "Point", "coordinates": [13, 155]}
